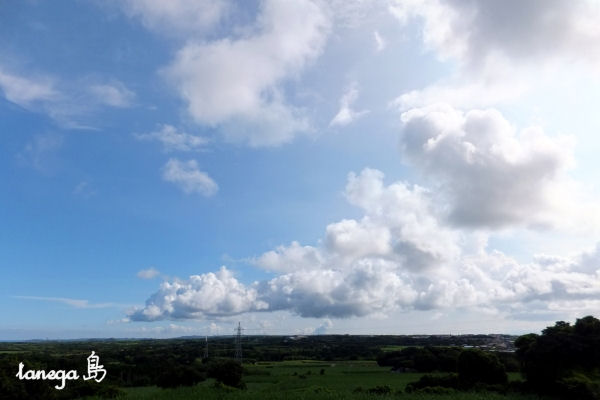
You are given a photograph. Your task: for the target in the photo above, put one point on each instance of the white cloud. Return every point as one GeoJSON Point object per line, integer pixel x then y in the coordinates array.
{"type": "Point", "coordinates": [114, 94]}
{"type": "Point", "coordinates": [169, 330]}
{"type": "Point", "coordinates": [202, 296]}
{"type": "Point", "coordinates": [380, 42]}
{"type": "Point", "coordinates": [177, 17]}
{"type": "Point", "coordinates": [324, 327]}
{"type": "Point", "coordinates": [399, 256]}
{"type": "Point", "coordinates": [76, 303]}
{"type": "Point", "coordinates": [490, 174]}
{"type": "Point", "coordinates": [290, 258]}
{"type": "Point", "coordinates": [346, 114]}
{"type": "Point", "coordinates": [188, 177]}
{"type": "Point", "coordinates": [475, 93]}
{"type": "Point", "coordinates": [238, 82]}
{"type": "Point", "coordinates": [68, 102]}
{"type": "Point", "coordinates": [364, 288]}
{"type": "Point", "coordinates": [25, 91]}
{"type": "Point", "coordinates": [502, 49]}
{"type": "Point", "coordinates": [479, 34]}
{"type": "Point", "coordinates": [149, 273]}
{"type": "Point", "coordinates": [174, 140]}
{"type": "Point", "coordinates": [364, 267]}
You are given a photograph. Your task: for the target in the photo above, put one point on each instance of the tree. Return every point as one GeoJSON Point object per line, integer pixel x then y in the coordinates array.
{"type": "Point", "coordinates": [475, 366]}
{"type": "Point", "coordinates": [228, 372]}
{"type": "Point", "coordinates": [564, 359]}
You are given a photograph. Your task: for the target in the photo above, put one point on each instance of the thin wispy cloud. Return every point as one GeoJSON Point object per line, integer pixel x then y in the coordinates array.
{"type": "Point", "coordinates": [346, 114]}
{"type": "Point", "coordinates": [188, 177]}
{"type": "Point", "coordinates": [76, 303]}
{"type": "Point", "coordinates": [149, 273]}
{"type": "Point", "coordinates": [173, 139]}
{"type": "Point", "coordinates": [113, 94]}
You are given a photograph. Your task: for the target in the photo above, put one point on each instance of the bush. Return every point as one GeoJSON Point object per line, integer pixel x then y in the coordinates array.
{"type": "Point", "coordinates": [475, 366]}
{"type": "Point", "coordinates": [180, 376]}
{"type": "Point", "coordinates": [110, 392]}
{"type": "Point", "coordinates": [380, 390]}
{"type": "Point", "coordinates": [227, 372]}
{"type": "Point", "coordinates": [580, 387]}
{"type": "Point", "coordinates": [435, 390]}
{"type": "Point", "coordinates": [427, 381]}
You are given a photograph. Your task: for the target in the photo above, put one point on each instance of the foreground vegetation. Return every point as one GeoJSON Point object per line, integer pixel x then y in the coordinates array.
{"type": "Point", "coordinates": [311, 379]}
{"type": "Point", "coordinates": [563, 362]}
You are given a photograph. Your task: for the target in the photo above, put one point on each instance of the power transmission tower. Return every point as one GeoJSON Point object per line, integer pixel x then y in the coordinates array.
{"type": "Point", "coordinates": [238, 344]}
{"type": "Point", "coordinates": [206, 347]}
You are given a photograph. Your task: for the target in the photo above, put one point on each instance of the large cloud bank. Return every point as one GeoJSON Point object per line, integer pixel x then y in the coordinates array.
{"type": "Point", "coordinates": [411, 250]}
{"type": "Point", "coordinates": [416, 247]}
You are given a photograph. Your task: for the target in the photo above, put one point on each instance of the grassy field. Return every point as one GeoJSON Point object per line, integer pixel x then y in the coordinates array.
{"type": "Point", "coordinates": [311, 380]}
{"type": "Point", "coordinates": [393, 348]}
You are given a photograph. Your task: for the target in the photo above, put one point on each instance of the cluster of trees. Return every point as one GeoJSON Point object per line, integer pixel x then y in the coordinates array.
{"type": "Point", "coordinates": [167, 363]}
{"type": "Point", "coordinates": [564, 362]}
{"type": "Point", "coordinates": [564, 359]}
{"type": "Point", "coordinates": [431, 358]}
{"type": "Point", "coordinates": [475, 369]}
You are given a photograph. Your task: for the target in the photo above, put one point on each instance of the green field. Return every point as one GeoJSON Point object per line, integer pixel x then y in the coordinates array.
{"type": "Point", "coordinates": [393, 348]}
{"type": "Point", "coordinates": [304, 380]}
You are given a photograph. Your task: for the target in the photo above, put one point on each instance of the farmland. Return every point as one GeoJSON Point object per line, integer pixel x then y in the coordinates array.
{"type": "Point", "coordinates": [303, 379]}
{"type": "Point", "coordinates": [274, 367]}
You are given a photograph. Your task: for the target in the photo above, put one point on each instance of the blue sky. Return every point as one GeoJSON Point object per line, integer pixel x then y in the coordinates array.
{"type": "Point", "coordinates": [171, 168]}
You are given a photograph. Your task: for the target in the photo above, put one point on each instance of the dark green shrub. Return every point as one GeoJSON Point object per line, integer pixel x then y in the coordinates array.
{"type": "Point", "coordinates": [435, 390]}
{"type": "Point", "coordinates": [380, 390]}
{"type": "Point", "coordinates": [475, 366]}
{"type": "Point", "coordinates": [448, 381]}
{"type": "Point", "coordinates": [227, 372]}
{"type": "Point", "coordinates": [580, 387]}
{"type": "Point", "coordinates": [180, 376]}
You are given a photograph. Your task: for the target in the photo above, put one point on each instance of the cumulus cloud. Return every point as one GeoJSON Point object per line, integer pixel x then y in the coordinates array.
{"type": "Point", "coordinates": [202, 296]}
{"type": "Point", "coordinates": [173, 139]}
{"type": "Point", "coordinates": [489, 281]}
{"type": "Point", "coordinates": [324, 327]}
{"type": "Point", "coordinates": [363, 267]}
{"type": "Point", "coordinates": [491, 174]}
{"type": "Point", "coordinates": [188, 177]}
{"type": "Point", "coordinates": [149, 273]}
{"type": "Point", "coordinates": [399, 256]}
{"type": "Point", "coordinates": [237, 82]}
{"type": "Point", "coordinates": [479, 33]}
{"type": "Point", "coordinates": [290, 258]}
{"type": "Point", "coordinates": [502, 49]}
{"type": "Point", "coordinates": [458, 93]}
{"type": "Point", "coordinates": [346, 114]}
{"type": "Point", "coordinates": [414, 247]}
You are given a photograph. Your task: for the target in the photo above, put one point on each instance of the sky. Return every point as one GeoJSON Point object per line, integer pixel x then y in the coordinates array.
{"type": "Point", "coordinates": [302, 167]}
